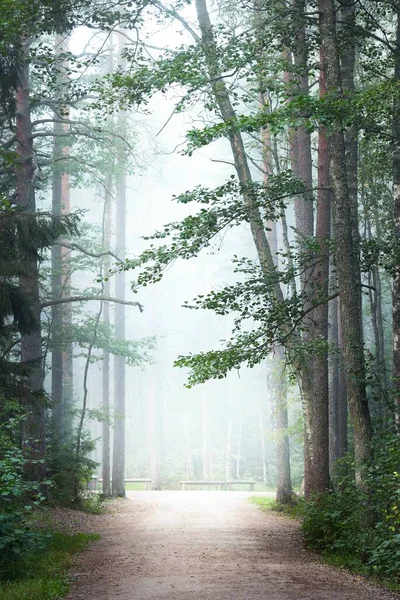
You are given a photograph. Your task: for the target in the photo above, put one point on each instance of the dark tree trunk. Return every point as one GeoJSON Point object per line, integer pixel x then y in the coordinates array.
{"type": "Point", "coordinates": [396, 193]}
{"type": "Point", "coordinates": [33, 434]}
{"type": "Point", "coordinates": [347, 260]}
{"type": "Point", "coordinates": [319, 289]}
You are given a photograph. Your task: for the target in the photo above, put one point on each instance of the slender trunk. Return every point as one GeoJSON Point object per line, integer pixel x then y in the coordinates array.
{"type": "Point", "coordinates": [56, 290]}
{"type": "Point", "coordinates": [205, 437]}
{"type": "Point", "coordinates": [342, 392]}
{"type": "Point", "coordinates": [284, 491]}
{"type": "Point", "coordinates": [118, 468]}
{"type": "Point", "coordinates": [262, 439]}
{"type": "Point", "coordinates": [319, 289]}
{"type": "Point", "coordinates": [106, 391]}
{"type": "Point", "coordinates": [346, 254]}
{"type": "Point", "coordinates": [228, 453]}
{"type": "Point", "coordinates": [62, 354]}
{"type": "Point", "coordinates": [222, 98]}
{"type": "Point", "coordinates": [333, 339]}
{"type": "Point", "coordinates": [396, 193]}
{"type": "Point", "coordinates": [239, 449]}
{"type": "Point", "coordinates": [154, 424]}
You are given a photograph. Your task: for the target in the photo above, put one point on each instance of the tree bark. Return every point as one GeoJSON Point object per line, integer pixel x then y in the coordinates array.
{"type": "Point", "coordinates": [62, 355]}
{"type": "Point", "coordinates": [118, 469]}
{"type": "Point", "coordinates": [33, 431]}
{"type": "Point", "coordinates": [396, 194]}
{"type": "Point", "coordinates": [346, 253]}
{"type": "Point", "coordinates": [106, 391]}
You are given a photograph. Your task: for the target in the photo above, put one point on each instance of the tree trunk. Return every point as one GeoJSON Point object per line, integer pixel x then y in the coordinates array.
{"type": "Point", "coordinates": [33, 434]}
{"type": "Point", "coordinates": [262, 439]}
{"type": "Point", "coordinates": [319, 290]}
{"type": "Point", "coordinates": [239, 448]}
{"type": "Point", "coordinates": [205, 436]}
{"type": "Point", "coordinates": [228, 452]}
{"type": "Point", "coordinates": [118, 469]}
{"type": "Point", "coordinates": [62, 353]}
{"type": "Point", "coordinates": [106, 391]}
{"type": "Point", "coordinates": [396, 193]}
{"type": "Point", "coordinates": [284, 493]}
{"type": "Point", "coordinates": [346, 254]}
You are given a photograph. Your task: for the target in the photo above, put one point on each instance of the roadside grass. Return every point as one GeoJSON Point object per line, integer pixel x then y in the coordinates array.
{"type": "Point", "coordinates": [294, 511]}
{"type": "Point", "coordinates": [43, 574]}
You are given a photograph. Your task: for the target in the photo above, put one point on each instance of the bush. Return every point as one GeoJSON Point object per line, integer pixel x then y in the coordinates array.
{"type": "Point", "coordinates": [70, 472]}
{"type": "Point", "coordinates": [17, 500]}
{"type": "Point", "coordinates": [361, 527]}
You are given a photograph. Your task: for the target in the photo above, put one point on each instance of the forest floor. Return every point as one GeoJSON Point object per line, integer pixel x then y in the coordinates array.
{"type": "Point", "coordinates": [195, 545]}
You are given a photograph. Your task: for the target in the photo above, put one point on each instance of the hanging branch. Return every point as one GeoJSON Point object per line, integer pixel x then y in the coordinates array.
{"type": "Point", "coordinates": [87, 298]}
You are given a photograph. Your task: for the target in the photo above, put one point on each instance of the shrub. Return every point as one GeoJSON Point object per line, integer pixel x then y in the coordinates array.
{"type": "Point", "coordinates": [17, 499]}
{"type": "Point", "coordinates": [361, 526]}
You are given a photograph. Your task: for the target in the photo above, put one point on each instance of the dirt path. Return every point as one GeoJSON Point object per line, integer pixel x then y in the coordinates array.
{"type": "Point", "coordinates": [203, 546]}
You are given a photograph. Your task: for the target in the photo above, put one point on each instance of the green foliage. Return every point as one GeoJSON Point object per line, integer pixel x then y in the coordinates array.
{"type": "Point", "coordinates": [361, 526]}
{"type": "Point", "coordinates": [70, 471]}
{"type": "Point", "coordinates": [43, 575]}
{"type": "Point", "coordinates": [18, 497]}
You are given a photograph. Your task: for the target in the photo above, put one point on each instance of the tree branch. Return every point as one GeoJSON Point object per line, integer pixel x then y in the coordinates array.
{"type": "Point", "coordinates": [88, 298]}
{"type": "Point", "coordinates": [93, 254]}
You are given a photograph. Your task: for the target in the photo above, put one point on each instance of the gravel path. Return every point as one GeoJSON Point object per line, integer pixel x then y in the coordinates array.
{"type": "Point", "coordinates": [206, 545]}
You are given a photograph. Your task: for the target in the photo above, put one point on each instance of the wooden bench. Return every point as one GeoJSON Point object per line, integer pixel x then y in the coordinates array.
{"type": "Point", "coordinates": [220, 484]}
{"type": "Point", "coordinates": [148, 482]}
{"type": "Point", "coordinates": [229, 484]}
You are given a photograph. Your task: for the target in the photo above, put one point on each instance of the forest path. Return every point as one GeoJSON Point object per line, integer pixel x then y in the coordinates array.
{"type": "Point", "coordinates": [202, 546]}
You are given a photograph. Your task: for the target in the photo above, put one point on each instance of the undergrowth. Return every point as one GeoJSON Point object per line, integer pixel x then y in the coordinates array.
{"type": "Point", "coordinates": [43, 574]}
{"type": "Point", "coordinates": [353, 526]}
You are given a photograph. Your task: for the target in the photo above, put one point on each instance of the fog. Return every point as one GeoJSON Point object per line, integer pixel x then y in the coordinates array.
{"type": "Point", "coordinates": [223, 428]}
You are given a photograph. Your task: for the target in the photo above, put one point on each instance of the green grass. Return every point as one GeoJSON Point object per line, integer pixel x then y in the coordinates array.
{"type": "Point", "coordinates": [294, 511]}
{"type": "Point", "coordinates": [43, 575]}
{"type": "Point", "coordinates": [136, 487]}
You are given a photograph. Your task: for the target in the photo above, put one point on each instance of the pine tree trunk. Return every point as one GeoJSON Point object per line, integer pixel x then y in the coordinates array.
{"type": "Point", "coordinates": [105, 369]}
{"type": "Point", "coordinates": [62, 354]}
{"type": "Point", "coordinates": [118, 468]}
{"type": "Point", "coordinates": [284, 492]}
{"type": "Point", "coordinates": [396, 192]}
{"type": "Point", "coordinates": [319, 289]}
{"type": "Point", "coordinates": [33, 433]}
{"type": "Point", "coordinates": [346, 254]}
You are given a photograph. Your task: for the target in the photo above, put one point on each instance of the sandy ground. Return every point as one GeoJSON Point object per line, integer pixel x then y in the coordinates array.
{"type": "Point", "coordinates": [205, 545]}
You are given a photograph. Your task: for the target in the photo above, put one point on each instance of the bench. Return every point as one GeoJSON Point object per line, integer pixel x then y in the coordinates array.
{"type": "Point", "coordinates": [229, 484]}
{"type": "Point", "coordinates": [220, 484]}
{"type": "Point", "coordinates": [148, 482]}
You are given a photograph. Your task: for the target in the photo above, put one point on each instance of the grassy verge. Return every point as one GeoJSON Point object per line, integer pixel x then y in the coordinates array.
{"type": "Point", "coordinates": [43, 575]}
{"type": "Point", "coordinates": [294, 511]}
{"type": "Point", "coordinates": [351, 562]}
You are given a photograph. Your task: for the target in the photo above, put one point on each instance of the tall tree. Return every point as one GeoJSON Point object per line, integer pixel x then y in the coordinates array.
{"type": "Point", "coordinates": [34, 439]}
{"type": "Point", "coordinates": [346, 254]}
